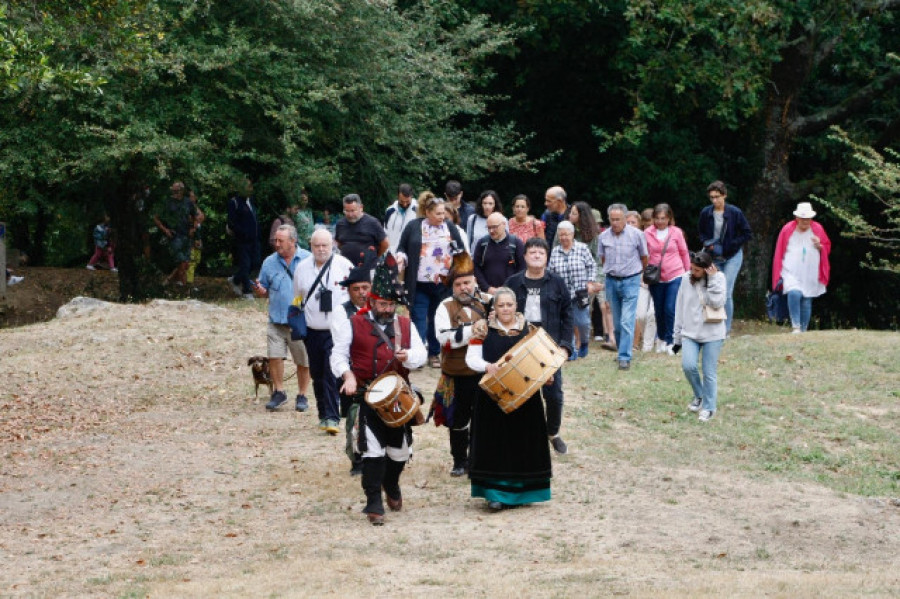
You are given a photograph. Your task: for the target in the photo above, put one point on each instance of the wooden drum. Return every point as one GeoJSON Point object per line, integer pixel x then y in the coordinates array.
{"type": "Point", "coordinates": [392, 399]}
{"type": "Point", "coordinates": [524, 370]}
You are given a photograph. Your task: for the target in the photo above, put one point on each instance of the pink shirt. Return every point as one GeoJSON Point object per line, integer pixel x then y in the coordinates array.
{"type": "Point", "coordinates": [677, 261]}
{"type": "Point", "coordinates": [527, 230]}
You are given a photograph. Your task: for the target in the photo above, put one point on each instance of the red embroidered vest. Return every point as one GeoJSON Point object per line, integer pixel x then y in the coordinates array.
{"type": "Point", "coordinates": [370, 355]}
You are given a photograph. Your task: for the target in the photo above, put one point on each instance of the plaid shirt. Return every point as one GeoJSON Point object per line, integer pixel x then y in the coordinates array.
{"type": "Point", "coordinates": [576, 267]}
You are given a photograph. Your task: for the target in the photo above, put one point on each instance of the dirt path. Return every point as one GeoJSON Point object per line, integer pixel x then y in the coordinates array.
{"type": "Point", "coordinates": [135, 462]}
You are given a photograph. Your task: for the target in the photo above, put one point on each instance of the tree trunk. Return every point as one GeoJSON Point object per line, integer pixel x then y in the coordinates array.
{"type": "Point", "coordinates": [770, 202]}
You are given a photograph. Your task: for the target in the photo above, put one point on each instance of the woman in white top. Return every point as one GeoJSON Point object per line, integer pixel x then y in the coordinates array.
{"type": "Point", "coordinates": [801, 262]}
{"type": "Point", "coordinates": [488, 202]}
{"type": "Point", "coordinates": [703, 285]}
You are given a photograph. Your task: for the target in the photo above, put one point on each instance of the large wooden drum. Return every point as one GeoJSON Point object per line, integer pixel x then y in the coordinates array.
{"type": "Point", "coordinates": [392, 399]}
{"type": "Point", "coordinates": [524, 369]}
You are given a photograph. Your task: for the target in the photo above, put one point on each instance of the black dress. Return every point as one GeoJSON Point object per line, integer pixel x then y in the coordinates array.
{"type": "Point", "coordinates": [509, 460]}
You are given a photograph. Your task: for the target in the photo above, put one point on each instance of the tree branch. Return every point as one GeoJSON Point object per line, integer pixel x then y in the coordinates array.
{"type": "Point", "coordinates": [809, 125]}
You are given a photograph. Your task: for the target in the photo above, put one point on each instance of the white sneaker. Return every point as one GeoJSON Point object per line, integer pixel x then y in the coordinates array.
{"type": "Point", "coordinates": [91, 267]}
{"type": "Point", "coordinates": [669, 350]}
{"type": "Point", "coordinates": [695, 404]}
{"type": "Point", "coordinates": [598, 337]}
{"type": "Point", "coordinates": [14, 280]}
{"type": "Point", "coordinates": [705, 415]}
{"type": "Point", "coordinates": [660, 346]}
{"type": "Point", "coordinates": [796, 331]}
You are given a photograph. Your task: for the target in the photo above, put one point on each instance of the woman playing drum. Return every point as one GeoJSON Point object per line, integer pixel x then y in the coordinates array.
{"type": "Point", "coordinates": [509, 461]}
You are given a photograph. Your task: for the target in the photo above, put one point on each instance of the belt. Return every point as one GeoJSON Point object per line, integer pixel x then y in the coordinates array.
{"type": "Point", "coordinates": [615, 278]}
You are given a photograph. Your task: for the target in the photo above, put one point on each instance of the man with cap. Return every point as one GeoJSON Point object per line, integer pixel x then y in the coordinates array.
{"type": "Point", "coordinates": [458, 386]}
{"type": "Point", "coordinates": [370, 343]}
{"type": "Point", "coordinates": [358, 284]}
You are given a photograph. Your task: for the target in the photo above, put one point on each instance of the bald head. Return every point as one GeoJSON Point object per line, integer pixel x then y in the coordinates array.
{"type": "Point", "coordinates": [555, 199]}
{"type": "Point", "coordinates": [496, 226]}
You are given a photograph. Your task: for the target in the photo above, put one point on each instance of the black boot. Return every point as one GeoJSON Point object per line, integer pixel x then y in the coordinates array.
{"type": "Point", "coordinates": [372, 478]}
{"type": "Point", "coordinates": [392, 484]}
{"type": "Point", "coordinates": [459, 449]}
{"type": "Point", "coordinates": [356, 467]}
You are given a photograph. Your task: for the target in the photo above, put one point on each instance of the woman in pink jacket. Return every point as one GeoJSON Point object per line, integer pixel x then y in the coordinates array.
{"type": "Point", "coordinates": [801, 262]}
{"type": "Point", "coordinates": [666, 246]}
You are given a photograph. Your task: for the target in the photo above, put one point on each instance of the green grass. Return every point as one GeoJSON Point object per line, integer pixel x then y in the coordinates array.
{"type": "Point", "coordinates": [820, 406]}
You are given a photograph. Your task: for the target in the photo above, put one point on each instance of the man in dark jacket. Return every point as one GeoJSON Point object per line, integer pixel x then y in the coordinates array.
{"type": "Point", "coordinates": [498, 255]}
{"type": "Point", "coordinates": [545, 301]}
{"type": "Point", "coordinates": [243, 226]}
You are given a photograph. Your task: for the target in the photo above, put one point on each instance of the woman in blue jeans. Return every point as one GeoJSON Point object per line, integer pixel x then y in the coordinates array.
{"type": "Point", "coordinates": [723, 231]}
{"type": "Point", "coordinates": [703, 285]}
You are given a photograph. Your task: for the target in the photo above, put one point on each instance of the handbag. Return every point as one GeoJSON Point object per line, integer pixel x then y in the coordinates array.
{"type": "Point", "coordinates": [653, 272]}
{"type": "Point", "coordinates": [582, 298]}
{"type": "Point", "coordinates": [296, 316]}
{"type": "Point", "coordinates": [776, 304]}
{"type": "Point", "coordinates": [710, 314]}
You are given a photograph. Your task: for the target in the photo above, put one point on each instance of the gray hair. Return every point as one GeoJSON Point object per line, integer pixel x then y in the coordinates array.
{"type": "Point", "coordinates": [620, 207]}
{"type": "Point", "coordinates": [566, 226]}
{"type": "Point", "coordinates": [352, 198]}
{"type": "Point", "coordinates": [504, 291]}
{"type": "Point", "coordinates": [291, 230]}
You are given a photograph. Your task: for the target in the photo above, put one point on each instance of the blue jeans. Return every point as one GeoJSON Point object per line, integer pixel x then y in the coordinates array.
{"type": "Point", "coordinates": [730, 268]}
{"type": "Point", "coordinates": [582, 321]}
{"type": "Point", "coordinates": [622, 295]}
{"type": "Point", "coordinates": [664, 296]}
{"type": "Point", "coordinates": [800, 308]}
{"type": "Point", "coordinates": [318, 348]}
{"type": "Point", "coordinates": [553, 397]}
{"type": "Point", "coordinates": [428, 297]}
{"type": "Point", "coordinates": [708, 388]}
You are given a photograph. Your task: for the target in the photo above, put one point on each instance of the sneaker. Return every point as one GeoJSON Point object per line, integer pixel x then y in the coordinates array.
{"type": "Point", "coordinates": [113, 270]}
{"type": "Point", "coordinates": [332, 427]}
{"type": "Point", "coordinates": [583, 351]}
{"type": "Point", "coordinates": [235, 287]}
{"type": "Point", "coordinates": [323, 424]}
{"type": "Point", "coordinates": [278, 398]}
{"type": "Point", "coordinates": [669, 349]}
{"type": "Point", "coordinates": [573, 356]}
{"type": "Point", "coordinates": [91, 267]}
{"type": "Point", "coordinates": [559, 445]}
{"type": "Point", "coordinates": [434, 361]}
{"type": "Point", "coordinates": [660, 346]}
{"type": "Point", "coordinates": [694, 406]}
{"type": "Point", "coordinates": [796, 331]}
{"type": "Point", "coordinates": [624, 364]}
{"type": "Point", "coordinates": [599, 338]}
{"type": "Point", "coordinates": [495, 506]}
{"type": "Point", "coordinates": [705, 415]}
{"type": "Point", "coordinates": [14, 280]}
{"type": "Point", "coordinates": [302, 403]}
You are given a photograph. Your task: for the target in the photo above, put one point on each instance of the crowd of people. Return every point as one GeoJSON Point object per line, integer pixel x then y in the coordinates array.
{"type": "Point", "coordinates": [436, 281]}
{"type": "Point", "coordinates": [472, 283]}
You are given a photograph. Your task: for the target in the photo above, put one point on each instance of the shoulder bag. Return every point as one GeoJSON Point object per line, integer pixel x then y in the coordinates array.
{"type": "Point", "coordinates": [710, 314]}
{"type": "Point", "coordinates": [653, 272]}
{"type": "Point", "coordinates": [296, 315]}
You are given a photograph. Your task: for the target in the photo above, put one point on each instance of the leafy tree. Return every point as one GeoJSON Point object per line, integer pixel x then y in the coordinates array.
{"type": "Point", "coordinates": [878, 175]}
{"type": "Point", "coordinates": [778, 73]}
{"type": "Point", "coordinates": [331, 96]}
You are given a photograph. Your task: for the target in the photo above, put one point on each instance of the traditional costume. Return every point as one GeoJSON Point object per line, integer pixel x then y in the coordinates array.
{"type": "Point", "coordinates": [458, 384]}
{"type": "Point", "coordinates": [509, 463]}
{"type": "Point", "coordinates": [367, 348]}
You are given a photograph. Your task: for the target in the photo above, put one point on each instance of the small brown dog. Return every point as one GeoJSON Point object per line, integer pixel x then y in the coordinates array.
{"type": "Point", "coordinates": [259, 367]}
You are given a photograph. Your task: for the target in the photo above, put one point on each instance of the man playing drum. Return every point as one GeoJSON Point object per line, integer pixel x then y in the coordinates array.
{"type": "Point", "coordinates": [453, 327]}
{"type": "Point", "coordinates": [372, 342]}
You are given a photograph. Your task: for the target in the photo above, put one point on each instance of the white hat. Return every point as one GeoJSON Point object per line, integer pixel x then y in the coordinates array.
{"type": "Point", "coordinates": [804, 210]}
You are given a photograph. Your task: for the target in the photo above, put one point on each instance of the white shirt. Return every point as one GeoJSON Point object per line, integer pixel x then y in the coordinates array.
{"type": "Point", "coordinates": [305, 276]}
{"type": "Point", "coordinates": [442, 329]}
{"type": "Point", "coordinates": [800, 266]}
{"type": "Point", "coordinates": [342, 335]}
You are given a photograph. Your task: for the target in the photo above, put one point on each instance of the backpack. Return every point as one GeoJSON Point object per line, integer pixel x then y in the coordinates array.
{"type": "Point", "coordinates": [511, 243]}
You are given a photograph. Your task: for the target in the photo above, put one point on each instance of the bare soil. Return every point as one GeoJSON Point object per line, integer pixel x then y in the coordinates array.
{"type": "Point", "coordinates": [136, 462]}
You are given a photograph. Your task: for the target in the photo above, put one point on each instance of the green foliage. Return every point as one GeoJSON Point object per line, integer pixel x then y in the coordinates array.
{"type": "Point", "coordinates": [878, 175]}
